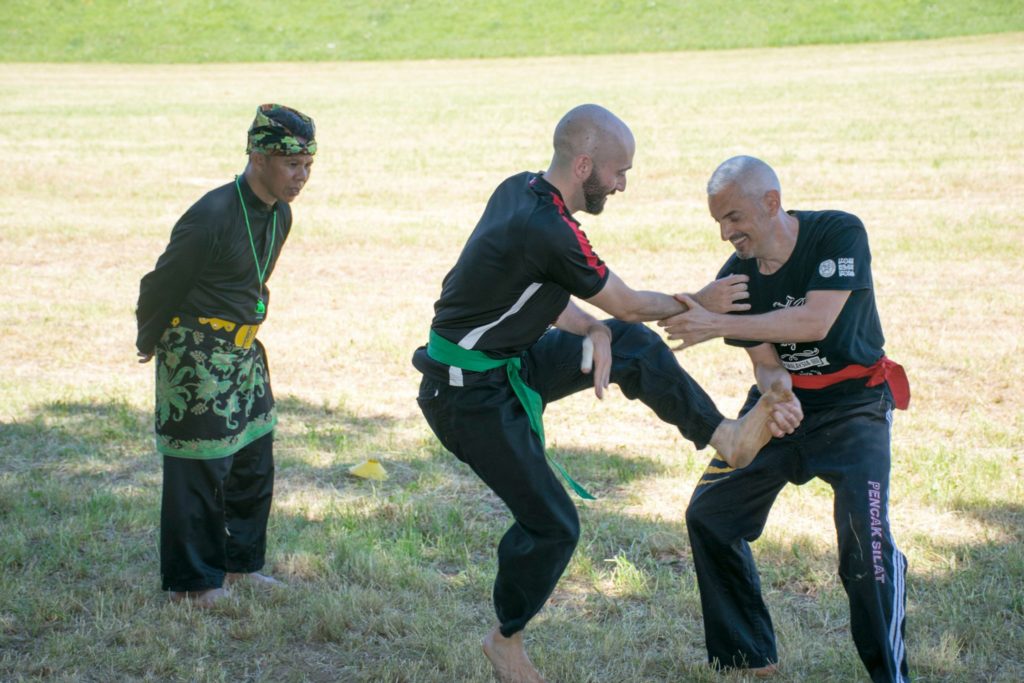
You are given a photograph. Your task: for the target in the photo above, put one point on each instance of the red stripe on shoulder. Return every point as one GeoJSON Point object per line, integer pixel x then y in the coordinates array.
{"type": "Point", "coordinates": [584, 243]}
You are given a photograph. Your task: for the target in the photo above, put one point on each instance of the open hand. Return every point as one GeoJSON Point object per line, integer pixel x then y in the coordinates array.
{"type": "Point", "coordinates": [693, 326]}
{"type": "Point", "coordinates": [725, 295]}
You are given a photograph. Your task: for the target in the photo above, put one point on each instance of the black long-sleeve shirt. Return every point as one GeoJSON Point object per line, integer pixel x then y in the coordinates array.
{"type": "Point", "coordinates": [208, 268]}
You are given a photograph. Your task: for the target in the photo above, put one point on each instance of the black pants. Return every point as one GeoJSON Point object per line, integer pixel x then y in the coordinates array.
{"type": "Point", "coordinates": [213, 517]}
{"type": "Point", "coordinates": [485, 426]}
{"type": "Point", "coordinates": [848, 447]}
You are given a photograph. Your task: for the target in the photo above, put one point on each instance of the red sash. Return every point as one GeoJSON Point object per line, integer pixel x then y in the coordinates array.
{"type": "Point", "coordinates": [885, 370]}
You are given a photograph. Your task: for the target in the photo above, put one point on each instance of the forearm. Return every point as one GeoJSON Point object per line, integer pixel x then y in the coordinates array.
{"type": "Point", "coordinates": [645, 306]}
{"type": "Point", "coordinates": [575, 320]}
{"type": "Point", "coordinates": [766, 375]}
{"type": "Point", "coordinates": [795, 324]}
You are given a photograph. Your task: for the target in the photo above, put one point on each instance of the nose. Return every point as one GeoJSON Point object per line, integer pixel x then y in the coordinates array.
{"type": "Point", "coordinates": [621, 185]}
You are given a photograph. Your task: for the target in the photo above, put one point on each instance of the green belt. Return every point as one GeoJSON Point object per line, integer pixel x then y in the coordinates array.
{"type": "Point", "coordinates": [444, 351]}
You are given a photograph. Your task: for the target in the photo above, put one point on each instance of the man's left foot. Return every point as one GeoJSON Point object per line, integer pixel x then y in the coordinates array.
{"type": "Point", "coordinates": [738, 441]}
{"type": "Point", "coordinates": [254, 578]}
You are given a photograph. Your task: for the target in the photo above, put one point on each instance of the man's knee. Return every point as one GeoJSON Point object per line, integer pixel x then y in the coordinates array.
{"type": "Point", "coordinates": [696, 518]}
{"type": "Point", "coordinates": [633, 339]}
{"type": "Point", "coordinates": [566, 531]}
{"type": "Point", "coordinates": [704, 521]}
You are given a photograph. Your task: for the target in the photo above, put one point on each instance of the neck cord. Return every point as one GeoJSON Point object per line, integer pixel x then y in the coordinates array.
{"type": "Point", "coordinates": [261, 308]}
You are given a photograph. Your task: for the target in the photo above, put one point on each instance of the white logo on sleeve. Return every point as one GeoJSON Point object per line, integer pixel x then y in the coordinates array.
{"type": "Point", "coordinates": [827, 268]}
{"type": "Point", "coordinates": [846, 267]}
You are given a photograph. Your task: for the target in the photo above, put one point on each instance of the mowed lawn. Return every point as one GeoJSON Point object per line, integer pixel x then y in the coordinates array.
{"type": "Point", "coordinates": [390, 581]}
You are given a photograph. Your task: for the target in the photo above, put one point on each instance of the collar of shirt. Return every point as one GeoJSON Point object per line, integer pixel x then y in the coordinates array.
{"type": "Point", "coordinates": [251, 200]}
{"type": "Point", "coordinates": [540, 185]}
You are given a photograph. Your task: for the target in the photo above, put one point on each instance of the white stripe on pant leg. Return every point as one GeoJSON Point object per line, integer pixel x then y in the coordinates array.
{"type": "Point", "coordinates": [899, 570]}
{"type": "Point", "coordinates": [895, 632]}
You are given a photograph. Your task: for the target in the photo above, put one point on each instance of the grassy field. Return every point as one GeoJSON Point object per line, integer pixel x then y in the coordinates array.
{"type": "Point", "coordinates": [198, 31]}
{"type": "Point", "coordinates": [390, 581]}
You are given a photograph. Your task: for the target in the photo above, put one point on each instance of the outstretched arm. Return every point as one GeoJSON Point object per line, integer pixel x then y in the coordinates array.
{"type": "Point", "coordinates": [619, 300]}
{"type": "Point", "coordinates": [597, 342]}
{"type": "Point", "coordinates": [810, 322]}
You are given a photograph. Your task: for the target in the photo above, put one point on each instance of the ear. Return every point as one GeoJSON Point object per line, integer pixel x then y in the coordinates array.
{"type": "Point", "coordinates": [772, 202]}
{"type": "Point", "coordinates": [582, 165]}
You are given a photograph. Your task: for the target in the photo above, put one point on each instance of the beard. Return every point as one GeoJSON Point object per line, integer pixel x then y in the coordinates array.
{"type": "Point", "coordinates": [594, 195]}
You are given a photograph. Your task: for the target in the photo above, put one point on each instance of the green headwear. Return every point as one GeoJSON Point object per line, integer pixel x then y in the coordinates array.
{"type": "Point", "coordinates": [278, 129]}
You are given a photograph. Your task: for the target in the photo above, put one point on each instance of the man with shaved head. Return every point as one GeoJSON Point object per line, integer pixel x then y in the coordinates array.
{"type": "Point", "coordinates": [812, 307]}
{"type": "Point", "coordinates": [492, 363]}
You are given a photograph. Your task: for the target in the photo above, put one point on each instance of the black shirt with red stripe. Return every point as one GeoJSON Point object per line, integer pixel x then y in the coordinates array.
{"type": "Point", "coordinates": [525, 258]}
{"type": "Point", "coordinates": [831, 253]}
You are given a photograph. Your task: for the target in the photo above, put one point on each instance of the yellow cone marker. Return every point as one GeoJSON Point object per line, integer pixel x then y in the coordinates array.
{"type": "Point", "coordinates": [369, 469]}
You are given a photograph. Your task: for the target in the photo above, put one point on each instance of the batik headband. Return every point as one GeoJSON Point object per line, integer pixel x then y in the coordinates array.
{"type": "Point", "coordinates": [278, 129]}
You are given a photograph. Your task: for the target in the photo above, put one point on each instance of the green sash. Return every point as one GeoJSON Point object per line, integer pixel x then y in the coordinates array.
{"type": "Point", "coordinates": [444, 351]}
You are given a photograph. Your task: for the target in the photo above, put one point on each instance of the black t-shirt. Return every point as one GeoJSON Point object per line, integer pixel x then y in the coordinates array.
{"type": "Point", "coordinates": [208, 267]}
{"type": "Point", "coordinates": [515, 275]}
{"type": "Point", "coordinates": [831, 253]}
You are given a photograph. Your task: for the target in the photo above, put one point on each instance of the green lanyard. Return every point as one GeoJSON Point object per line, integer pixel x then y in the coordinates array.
{"type": "Point", "coordinates": [261, 307]}
{"type": "Point", "coordinates": [449, 353]}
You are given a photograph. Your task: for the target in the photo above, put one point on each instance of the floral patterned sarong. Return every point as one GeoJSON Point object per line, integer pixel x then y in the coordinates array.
{"type": "Point", "coordinates": [213, 392]}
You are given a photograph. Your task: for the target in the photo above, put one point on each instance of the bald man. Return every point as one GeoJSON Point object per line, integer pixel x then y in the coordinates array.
{"type": "Point", "coordinates": [812, 305]}
{"type": "Point", "coordinates": [492, 363]}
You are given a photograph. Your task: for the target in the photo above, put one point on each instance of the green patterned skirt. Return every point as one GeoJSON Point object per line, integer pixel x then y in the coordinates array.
{"type": "Point", "coordinates": [213, 392]}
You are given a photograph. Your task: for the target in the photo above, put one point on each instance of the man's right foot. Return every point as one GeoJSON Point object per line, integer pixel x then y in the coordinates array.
{"type": "Point", "coordinates": [738, 441]}
{"type": "Point", "coordinates": [508, 657]}
{"type": "Point", "coordinates": [204, 599]}
{"type": "Point", "coordinates": [766, 671]}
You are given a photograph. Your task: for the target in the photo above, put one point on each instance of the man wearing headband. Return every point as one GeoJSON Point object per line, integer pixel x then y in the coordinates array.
{"type": "Point", "coordinates": [198, 313]}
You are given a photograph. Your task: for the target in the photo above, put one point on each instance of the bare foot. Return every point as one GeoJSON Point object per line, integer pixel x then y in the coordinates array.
{"type": "Point", "coordinates": [252, 578]}
{"type": "Point", "coordinates": [204, 599]}
{"type": "Point", "coordinates": [766, 671]}
{"type": "Point", "coordinates": [738, 441]}
{"type": "Point", "coordinates": [508, 657]}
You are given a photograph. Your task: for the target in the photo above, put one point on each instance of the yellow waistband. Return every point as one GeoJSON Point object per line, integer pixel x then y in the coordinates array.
{"type": "Point", "coordinates": [236, 333]}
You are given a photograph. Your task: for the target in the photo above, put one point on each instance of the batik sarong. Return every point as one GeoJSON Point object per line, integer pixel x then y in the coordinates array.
{"type": "Point", "coordinates": [212, 388]}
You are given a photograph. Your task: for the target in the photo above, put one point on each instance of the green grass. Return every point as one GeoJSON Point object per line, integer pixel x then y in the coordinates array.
{"type": "Point", "coordinates": [199, 31]}
{"type": "Point", "coordinates": [390, 581]}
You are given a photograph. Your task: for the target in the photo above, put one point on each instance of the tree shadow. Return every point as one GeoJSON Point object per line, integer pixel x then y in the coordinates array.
{"type": "Point", "coordinates": [114, 440]}
{"type": "Point", "coordinates": [423, 543]}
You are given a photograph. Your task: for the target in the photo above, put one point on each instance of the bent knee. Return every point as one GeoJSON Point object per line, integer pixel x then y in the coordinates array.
{"type": "Point", "coordinates": [559, 527]}
{"type": "Point", "coordinates": [637, 337]}
{"type": "Point", "coordinates": [568, 531]}
{"type": "Point", "coordinates": [705, 520]}
{"type": "Point", "coordinates": [695, 515]}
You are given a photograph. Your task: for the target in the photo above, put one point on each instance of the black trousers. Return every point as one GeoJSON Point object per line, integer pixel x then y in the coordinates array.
{"type": "Point", "coordinates": [485, 426]}
{"type": "Point", "coordinates": [213, 516]}
{"type": "Point", "coordinates": [848, 447]}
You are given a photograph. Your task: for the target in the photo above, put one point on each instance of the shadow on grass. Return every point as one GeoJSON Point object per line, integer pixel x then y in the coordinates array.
{"type": "Point", "coordinates": [79, 491]}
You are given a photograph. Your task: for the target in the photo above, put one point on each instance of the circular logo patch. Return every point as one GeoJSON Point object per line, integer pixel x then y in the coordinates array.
{"type": "Point", "coordinates": [827, 268]}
